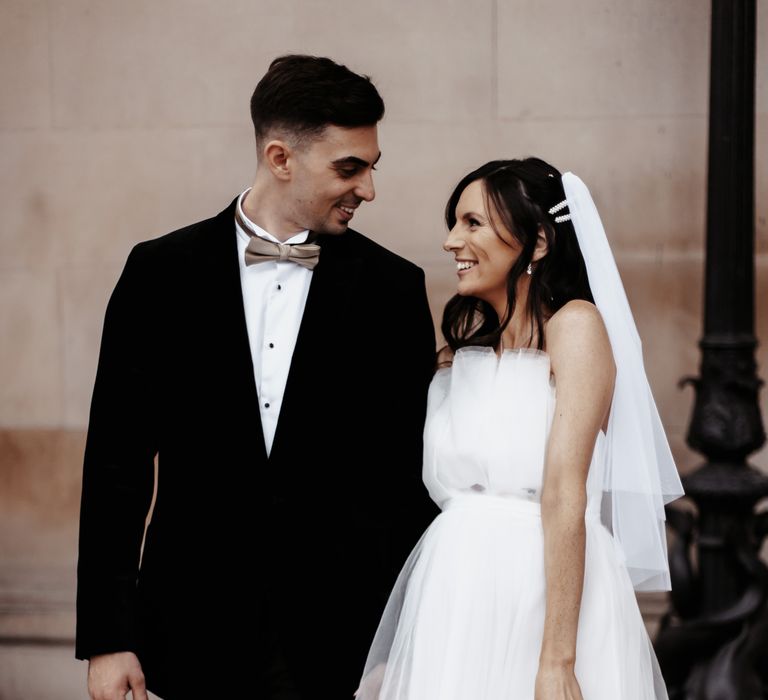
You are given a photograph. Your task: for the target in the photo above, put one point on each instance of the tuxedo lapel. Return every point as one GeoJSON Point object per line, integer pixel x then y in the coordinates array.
{"type": "Point", "coordinates": [224, 319]}
{"type": "Point", "coordinates": [334, 282]}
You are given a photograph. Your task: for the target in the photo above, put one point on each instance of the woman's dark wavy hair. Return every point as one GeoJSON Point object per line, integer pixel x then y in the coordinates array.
{"type": "Point", "coordinates": [520, 192]}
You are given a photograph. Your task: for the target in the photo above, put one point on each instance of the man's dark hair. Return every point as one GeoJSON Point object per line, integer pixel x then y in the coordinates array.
{"type": "Point", "coordinates": [304, 94]}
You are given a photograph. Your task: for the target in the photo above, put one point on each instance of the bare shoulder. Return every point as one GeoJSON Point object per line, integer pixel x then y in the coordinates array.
{"type": "Point", "coordinates": [576, 313]}
{"type": "Point", "coordinates": [444, 356]}
{"type": "Point", "coordinates": [576, 333]}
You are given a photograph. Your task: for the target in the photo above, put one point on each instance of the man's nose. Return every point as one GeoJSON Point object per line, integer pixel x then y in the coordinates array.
{"type": "Point", "coordinates": [365, 189]}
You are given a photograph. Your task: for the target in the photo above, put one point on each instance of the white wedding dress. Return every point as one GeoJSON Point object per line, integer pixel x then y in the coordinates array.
{"type": "Point", "coordinates": [465, 618]}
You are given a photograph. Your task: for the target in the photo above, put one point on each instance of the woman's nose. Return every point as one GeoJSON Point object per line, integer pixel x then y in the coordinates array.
{"type": "Point", "coordinates": [453, 242]}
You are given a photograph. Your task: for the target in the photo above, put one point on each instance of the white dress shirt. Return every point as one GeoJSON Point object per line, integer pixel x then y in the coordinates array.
{"type": "Point", "coordinates": [274, 297]}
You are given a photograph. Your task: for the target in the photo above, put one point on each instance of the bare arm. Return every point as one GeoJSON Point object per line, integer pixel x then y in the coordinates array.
{"type": "Point", "coordinates": [584, 371]}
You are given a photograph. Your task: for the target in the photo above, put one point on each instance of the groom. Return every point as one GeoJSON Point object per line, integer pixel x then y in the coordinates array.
{"type": "Point", "coordinates": [275, 363]}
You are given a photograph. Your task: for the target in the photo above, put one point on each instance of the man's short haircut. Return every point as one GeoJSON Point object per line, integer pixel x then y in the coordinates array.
{"type": "Point", "coordinates": [302, 95]}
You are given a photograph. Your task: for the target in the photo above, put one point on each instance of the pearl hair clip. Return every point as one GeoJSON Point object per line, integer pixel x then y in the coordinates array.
{"type": "Point", "coordinates": [557, 208]}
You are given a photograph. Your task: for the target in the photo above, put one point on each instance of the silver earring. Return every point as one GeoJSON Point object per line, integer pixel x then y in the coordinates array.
{"type": "Point", "coordinates": [529, 269]}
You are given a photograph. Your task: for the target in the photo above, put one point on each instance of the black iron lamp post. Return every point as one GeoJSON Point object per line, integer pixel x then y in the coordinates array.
{"type": "Point", "coordinates": [715, 644]}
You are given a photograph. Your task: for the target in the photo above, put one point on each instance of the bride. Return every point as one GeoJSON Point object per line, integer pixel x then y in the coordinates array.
{"type": "Point", "coordinates": [544, 450]}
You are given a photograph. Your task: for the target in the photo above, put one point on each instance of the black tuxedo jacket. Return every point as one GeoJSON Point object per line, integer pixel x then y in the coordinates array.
{"type": "Point", "coordinates": [257, 576]}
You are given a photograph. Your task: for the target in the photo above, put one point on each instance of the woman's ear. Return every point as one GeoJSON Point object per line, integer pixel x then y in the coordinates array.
{"type": "Point", "coordinates": [542, 246]}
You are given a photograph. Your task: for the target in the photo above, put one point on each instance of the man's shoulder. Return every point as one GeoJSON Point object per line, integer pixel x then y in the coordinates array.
{"type": "Point", "coordinates": [377, 256]}
{"type": "Point", "coordinates": [185, 240]}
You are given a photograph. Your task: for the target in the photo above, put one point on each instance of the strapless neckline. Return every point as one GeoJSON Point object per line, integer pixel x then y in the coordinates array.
{"type": "Point", "coordinates": [487, 350]}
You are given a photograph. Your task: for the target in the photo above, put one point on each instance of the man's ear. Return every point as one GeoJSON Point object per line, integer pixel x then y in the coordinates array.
{"type": "Point", "coordinates": [277, 156]}
{"type": "Point", "coordinates": [542, 247]}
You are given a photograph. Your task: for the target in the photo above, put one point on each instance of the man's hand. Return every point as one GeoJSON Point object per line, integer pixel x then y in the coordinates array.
{"type": "Point", "coordinates": [111, 676]}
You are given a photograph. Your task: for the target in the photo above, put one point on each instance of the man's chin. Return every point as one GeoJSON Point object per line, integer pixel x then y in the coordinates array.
{"type": "Point", "coordinates": [333, 229]}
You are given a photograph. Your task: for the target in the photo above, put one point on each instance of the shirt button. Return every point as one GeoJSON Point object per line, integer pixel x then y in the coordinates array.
{"type": "Point", "coordinates": [271, 345]}
{"type": "Point", "coordinates": [266, 405]}
{"type": "Point", "coordinates": [279, 287]}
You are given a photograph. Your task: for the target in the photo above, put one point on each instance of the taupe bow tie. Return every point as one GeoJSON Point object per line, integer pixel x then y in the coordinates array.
{"type": "Point", "coordinates": [261, 250]}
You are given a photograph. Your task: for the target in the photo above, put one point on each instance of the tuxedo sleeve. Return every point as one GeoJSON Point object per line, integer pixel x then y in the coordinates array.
{"type": "Point", "coordinates": [413, 367]}
{"type": "Point", "coordinates": [118, 469]}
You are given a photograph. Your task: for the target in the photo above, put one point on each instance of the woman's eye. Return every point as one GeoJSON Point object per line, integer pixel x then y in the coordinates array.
{"type": "Point", "coordinates": [473, 222]}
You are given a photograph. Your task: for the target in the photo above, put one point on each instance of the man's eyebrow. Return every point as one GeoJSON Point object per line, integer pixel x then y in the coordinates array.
{"type": "Point", "coordinates": [354, 160]}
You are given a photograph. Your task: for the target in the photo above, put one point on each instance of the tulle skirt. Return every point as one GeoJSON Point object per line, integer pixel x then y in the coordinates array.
{"type": "Point", "coordinates": [466, 616]}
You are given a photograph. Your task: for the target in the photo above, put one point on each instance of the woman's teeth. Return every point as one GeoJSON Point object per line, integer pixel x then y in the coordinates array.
{"type": "Point", "coordinates": [464, 265]}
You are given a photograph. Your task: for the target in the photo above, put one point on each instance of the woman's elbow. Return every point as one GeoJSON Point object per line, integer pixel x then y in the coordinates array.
{"type": "Point", "coordinates": [563, 504]}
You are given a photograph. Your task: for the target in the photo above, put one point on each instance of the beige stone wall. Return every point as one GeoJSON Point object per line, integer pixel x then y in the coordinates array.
{"type": "Point", "coordinates": [120, 121]}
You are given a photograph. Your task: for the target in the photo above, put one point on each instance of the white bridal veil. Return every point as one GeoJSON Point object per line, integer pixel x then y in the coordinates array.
{"type": "Point", "coordinates": [640, 474]}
